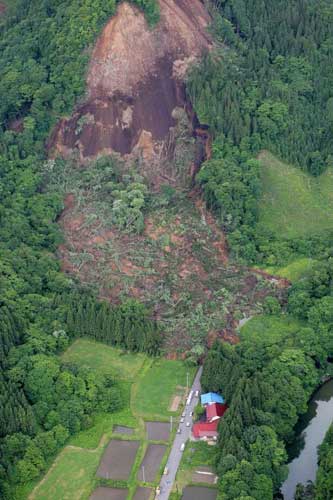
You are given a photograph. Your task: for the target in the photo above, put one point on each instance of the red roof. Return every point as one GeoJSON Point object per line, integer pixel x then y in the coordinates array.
{"type": "Point", "coordinates": [202, 429]}
{"type": "Point", "coordinates": [214, 411]}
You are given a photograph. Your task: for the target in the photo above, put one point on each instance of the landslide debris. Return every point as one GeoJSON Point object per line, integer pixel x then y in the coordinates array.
{"type": "Point", "coordinates": [135, 82]}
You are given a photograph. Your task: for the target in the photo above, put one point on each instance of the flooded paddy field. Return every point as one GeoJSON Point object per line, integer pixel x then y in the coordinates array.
{"type": "Point", "coordinates": [118, 459]}
{"type": "Point", "coordinates": [122, 429]}
{"type": "Point", "coordinates": [151, 462]}
{"type": "Point", "coordinates": [158, 431]}
{"type": "Point", "coordinates": [142, 493]}
{"type": "Point", "coordinates": [199, 493]}
{"type": "Point", "coordinates": [103, 493]}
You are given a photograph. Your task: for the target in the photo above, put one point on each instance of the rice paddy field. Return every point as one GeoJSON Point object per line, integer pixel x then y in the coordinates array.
{"type": "Point", "coordinates": [148, 386]}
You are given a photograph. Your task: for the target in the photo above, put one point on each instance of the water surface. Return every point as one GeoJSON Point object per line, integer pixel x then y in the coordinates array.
{"type": "Point", "coordinates": [310, 433]}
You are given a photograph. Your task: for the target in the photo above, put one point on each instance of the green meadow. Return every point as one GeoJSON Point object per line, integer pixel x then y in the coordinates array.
{"type": "Point", "coordinates": [294, 204]}
{"type": "Point", "coordinates": [270, 330]}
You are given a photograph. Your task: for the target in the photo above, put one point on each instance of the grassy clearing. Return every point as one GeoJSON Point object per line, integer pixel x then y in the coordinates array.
{"type": "Point", "coordinates": [70, 477]}
{"type": "Point", "coordinates": [155, 390]}
{"type": "Point", "coordinates": [295, 204]}
{"type": "Point", "coordinates": [196, 454]}
{"type": "Point", "coordinates": [105, 359]}
{"type": "Point", "coordinates": [293, 271]}
{"type": "Point", "coordinates": [270, 329]}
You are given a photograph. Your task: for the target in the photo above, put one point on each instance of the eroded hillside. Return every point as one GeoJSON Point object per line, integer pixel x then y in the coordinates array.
{"type": "Point", "coordinates": [135, 82]}
{"type": "Point", "coordinates": [136, 107]}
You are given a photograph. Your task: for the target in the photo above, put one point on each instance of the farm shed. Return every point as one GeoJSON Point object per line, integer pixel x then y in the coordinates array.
{"type": "Point", "coordinates": [215, 411]}
{"type": "Point", "coordinates": [211, 397]}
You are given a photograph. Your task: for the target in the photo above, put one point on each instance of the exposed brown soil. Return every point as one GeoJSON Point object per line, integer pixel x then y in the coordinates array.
{"type": "Point", "coordinates": [135, 81]}
{"type": "Point", "coordinates": [2, 8]}
{"type": "Point", "coordinates": [118, 459]}
{"type": "Point", "coordinates": [151, 462]}
{"type": "Point", "coordinates": [182, 255]}
{"type": "Point", "coordinates": [105, 493]}
{"type": "Point", "coordinates": [142, 493]}
{"type": "Point", "coordinates": [180, 262]}
{"type": "Point", "coordinates": [175, 403]}
{"type": "Point", "coordinates": [158, 431]}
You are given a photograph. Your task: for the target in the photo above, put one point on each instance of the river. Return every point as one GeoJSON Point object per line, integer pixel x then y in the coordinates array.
{"type": "Point", "coordinates": [310, 432]}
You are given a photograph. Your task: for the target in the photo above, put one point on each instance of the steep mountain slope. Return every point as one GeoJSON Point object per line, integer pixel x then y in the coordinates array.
{"type": "Point", "coordinates": [135, 81]}
{"type": "Point", "coordinates": [178, 265]}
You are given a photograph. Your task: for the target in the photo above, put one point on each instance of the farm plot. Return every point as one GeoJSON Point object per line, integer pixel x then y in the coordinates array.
{"type": "Point", "coordinates": [122, 429]}
{"type": "Point", "coordinates": [158, 431]}
{"type": "Point", "coordinates": [151, 462]}
{"type": "Point", "coordinates": [199, 493]}
{"type": "Point", "coordinates": [103, 493]}
{"type": "Point", "coordinates": [142, 493]}
{"type": "Point", "coordinates": [197, 457]}
{"type": "Point", "coordinates": [204, 475]}
{"type": "Point", "coordinates": [118, 459]}
{"type": "Point", "coordinates": [73, 473]}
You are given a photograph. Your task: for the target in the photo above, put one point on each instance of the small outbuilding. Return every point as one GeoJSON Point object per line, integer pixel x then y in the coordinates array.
{"type": "Point", "coordinates": [215, 411]}
{"type": "Point", "coordinates": [211, 397]}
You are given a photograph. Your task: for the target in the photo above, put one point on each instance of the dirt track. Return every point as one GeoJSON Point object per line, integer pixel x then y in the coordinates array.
{"type": "Point", "coordinates": [135, 81]}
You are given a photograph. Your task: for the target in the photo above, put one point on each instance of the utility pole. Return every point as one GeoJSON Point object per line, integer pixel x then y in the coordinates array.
{"type": "Point", "coordinates": [187, 380]}
{"type": "Point", "coordinates": [170, 423]}
{"type": "Point", "coordinates": [143, 474]}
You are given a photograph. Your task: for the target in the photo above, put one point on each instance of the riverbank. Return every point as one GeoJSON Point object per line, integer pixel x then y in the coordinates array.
{"type": "Point", "coordinates": [310, 433]}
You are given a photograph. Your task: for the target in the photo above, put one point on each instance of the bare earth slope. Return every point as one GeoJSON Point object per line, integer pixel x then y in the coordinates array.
{"type": "Point", "coordinates": [135, 81]}
{"type": "Point", "coordinates": [179, 265]}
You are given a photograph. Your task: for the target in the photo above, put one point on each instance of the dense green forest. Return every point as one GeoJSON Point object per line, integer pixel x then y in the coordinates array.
{"type": "Point", "coordinates": [267, 381]}
{"type": "Point", "coordinates": [324, 481]}
{"type": "Point", "coordinates": [44, 48]}
{"type": "Point", "coordinates": [268, 85]}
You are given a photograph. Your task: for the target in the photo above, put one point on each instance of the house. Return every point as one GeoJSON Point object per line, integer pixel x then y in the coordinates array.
{"type": "Point", "coordinates": [215, 411]}
{"type": "Point", "coordinates": [205, 430]}
{"type": "Point", "coordinates": [211, 397]}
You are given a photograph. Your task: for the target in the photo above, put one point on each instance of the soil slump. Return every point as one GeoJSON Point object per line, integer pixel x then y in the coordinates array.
{"type": "Point", "coordinates": [135, 81]}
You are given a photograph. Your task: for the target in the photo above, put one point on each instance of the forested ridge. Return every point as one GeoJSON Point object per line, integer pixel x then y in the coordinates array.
{"type": "Point", "coordinates": [43, 55]}
{"type": "Point", "coordinates": [268, 85]}
{"type": "Point", "coordinates": [267, 382]}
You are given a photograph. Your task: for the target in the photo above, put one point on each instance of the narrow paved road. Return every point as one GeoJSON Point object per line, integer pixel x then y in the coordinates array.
{"type": "Point", "coordinates": [176, 454]}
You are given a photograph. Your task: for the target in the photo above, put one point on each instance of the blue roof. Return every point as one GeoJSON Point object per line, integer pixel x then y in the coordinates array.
{"type": "Point", "coordinates": [211, 397]}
